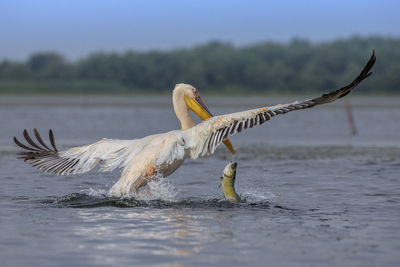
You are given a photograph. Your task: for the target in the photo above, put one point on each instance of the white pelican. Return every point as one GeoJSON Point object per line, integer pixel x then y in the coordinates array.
{"type": "Point", "coordinates": [154, 156]}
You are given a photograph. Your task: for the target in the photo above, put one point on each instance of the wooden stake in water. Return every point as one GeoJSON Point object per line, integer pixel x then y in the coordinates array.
{"type": "Point", "coordinates": [350, 117]}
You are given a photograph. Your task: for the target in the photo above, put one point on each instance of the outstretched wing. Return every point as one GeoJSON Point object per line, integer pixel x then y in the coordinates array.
{"type": "Point", "coordinates": [206, 136]}
{"type": "Point", "coordinates": [112, 153]}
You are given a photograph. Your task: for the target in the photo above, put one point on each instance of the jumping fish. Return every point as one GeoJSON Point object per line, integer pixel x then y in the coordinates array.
{"type": "Point", "coordinates": [228, 182]}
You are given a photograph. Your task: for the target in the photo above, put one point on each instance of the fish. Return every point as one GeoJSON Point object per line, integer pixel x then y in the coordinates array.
{"type": "Point", "coordinates": [228, 182]}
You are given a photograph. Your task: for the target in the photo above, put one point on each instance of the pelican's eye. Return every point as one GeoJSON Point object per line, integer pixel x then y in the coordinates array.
{"type": "Point", "coordinates": [196, 93]}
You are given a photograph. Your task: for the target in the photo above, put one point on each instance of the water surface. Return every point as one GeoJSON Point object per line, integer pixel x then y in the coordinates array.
{"type": "Point", "coordinates": [313, 195]}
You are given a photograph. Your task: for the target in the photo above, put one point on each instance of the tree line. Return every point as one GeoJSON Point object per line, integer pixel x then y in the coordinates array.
{"type": "Point", "coordinates": [296, 67]}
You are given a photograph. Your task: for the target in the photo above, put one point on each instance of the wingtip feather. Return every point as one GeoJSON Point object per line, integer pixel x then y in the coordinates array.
{"type": "Point", "coordinates": [51, 137]}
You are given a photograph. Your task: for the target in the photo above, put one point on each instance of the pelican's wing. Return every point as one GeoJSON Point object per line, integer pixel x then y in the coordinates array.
{"type": "Point", "coordinates": [112, 153]}
{"type": "Point", "coordinates": [206, 136]}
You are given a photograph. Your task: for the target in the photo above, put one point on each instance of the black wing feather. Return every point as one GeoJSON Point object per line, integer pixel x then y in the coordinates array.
{"type": "Point", "coordinates": [37, 152]}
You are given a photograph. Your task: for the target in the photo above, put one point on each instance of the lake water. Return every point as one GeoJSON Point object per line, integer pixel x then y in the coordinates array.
{"type": "Point", "coordinates": [313, 195]}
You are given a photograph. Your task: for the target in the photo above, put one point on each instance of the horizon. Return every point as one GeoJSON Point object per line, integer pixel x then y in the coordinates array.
{"type": "Point", "coordinates": [76, 29]}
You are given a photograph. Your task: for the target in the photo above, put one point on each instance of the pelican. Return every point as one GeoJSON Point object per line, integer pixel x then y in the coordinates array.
{"type": "Point", "coordinates": [159, 155]}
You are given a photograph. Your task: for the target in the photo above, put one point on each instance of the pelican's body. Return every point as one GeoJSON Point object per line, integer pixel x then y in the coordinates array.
{"type": "Point", "coordinates": [159, 155]}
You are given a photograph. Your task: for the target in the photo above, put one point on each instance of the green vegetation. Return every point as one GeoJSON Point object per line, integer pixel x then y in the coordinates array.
{"type": "Point", "coordinates": [298, 67]}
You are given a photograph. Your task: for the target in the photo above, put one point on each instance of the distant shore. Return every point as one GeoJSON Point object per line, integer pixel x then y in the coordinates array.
{"type": "Point", "coordinates": [215, 68]}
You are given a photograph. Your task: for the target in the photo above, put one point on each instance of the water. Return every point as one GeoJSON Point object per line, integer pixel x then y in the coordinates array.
{"type": "Point", "coordinates": [312, 194]}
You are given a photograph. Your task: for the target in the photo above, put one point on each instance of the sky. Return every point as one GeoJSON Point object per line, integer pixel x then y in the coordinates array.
{"type": "Point", "coordinates": [76, 28]}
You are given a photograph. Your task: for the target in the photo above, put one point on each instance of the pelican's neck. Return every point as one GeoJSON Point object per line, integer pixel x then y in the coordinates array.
{"type": "Point", "coordinates": [181, 109]}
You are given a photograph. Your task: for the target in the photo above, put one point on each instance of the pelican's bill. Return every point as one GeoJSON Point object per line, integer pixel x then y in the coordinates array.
{"type": "Point", "coordinates": [198, 106]}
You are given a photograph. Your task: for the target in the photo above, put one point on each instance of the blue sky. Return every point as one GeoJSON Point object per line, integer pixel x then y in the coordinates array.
{"type": "Point", "coordinates": [76, 28]}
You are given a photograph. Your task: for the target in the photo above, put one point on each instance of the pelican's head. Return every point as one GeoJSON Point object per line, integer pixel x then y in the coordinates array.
{"type": "Point", "coordinates": [194, 102]}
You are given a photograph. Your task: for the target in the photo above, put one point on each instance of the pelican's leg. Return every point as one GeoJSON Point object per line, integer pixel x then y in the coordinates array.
{"type": "Point", "coordinates": [151, 175]}
{"type": "Point", "coordinates": [141, 181]}
{"type": "Point", "coordinates": [131, 180]}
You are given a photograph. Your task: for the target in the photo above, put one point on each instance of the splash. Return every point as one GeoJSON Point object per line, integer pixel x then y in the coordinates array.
{"type": "Point", "coordinates": [155, 190]}
{"type": "Point", "coordinates": [155, 194]}
{"type": "Point", "coordinates": [97, 193]}
{"type": "Point", "coordinates": [253, 196]}
{"type": "Point", "coordinates": [161, 194]}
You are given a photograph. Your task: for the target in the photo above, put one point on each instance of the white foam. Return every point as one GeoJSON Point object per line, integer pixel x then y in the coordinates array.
{"type": "Point", "coordinates": [98, 193]}
{"type": "Point", "coordinates": [155, 190]}
{"type": "Point", "coordinates": [253, 196]}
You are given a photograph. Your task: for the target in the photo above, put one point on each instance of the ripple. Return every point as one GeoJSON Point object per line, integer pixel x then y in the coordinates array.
{"type": "Point", "coordinates": [84, 200]}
